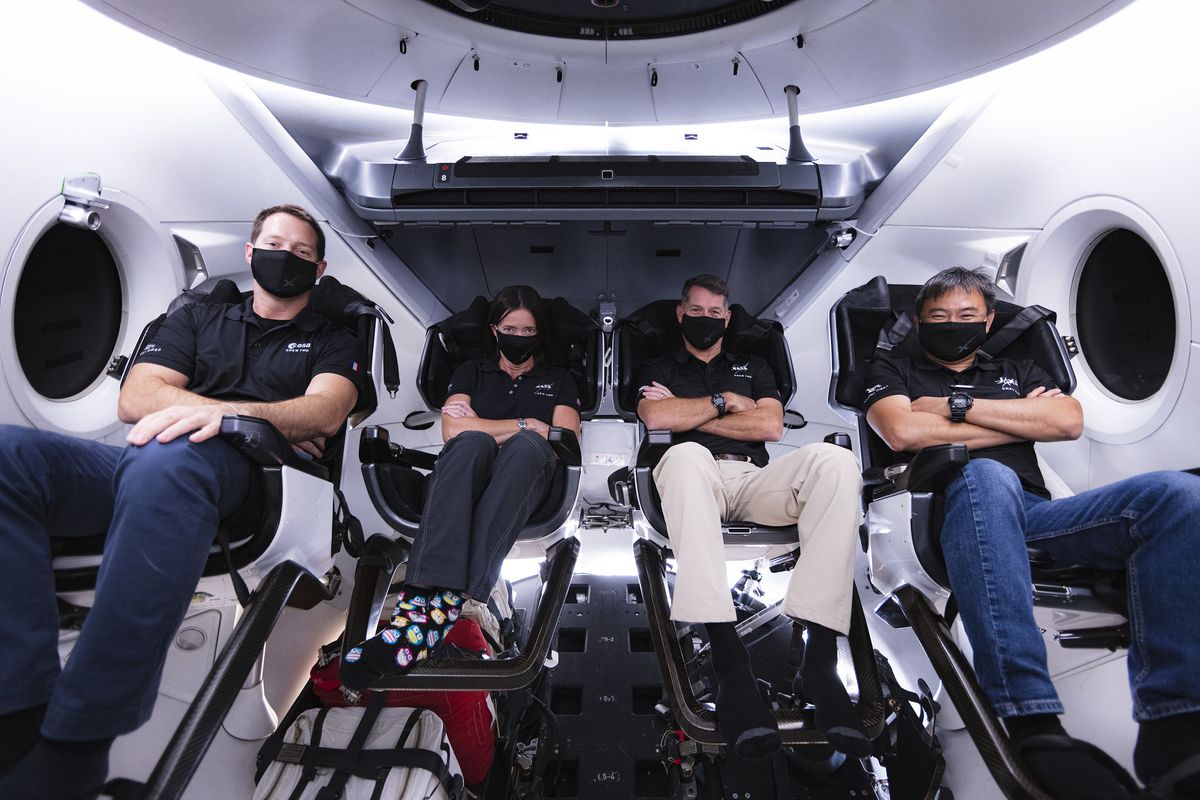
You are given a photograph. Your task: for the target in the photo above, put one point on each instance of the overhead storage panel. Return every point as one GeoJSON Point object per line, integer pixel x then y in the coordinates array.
{"type": "Point", "coordinates": [703, 91]}
{"type": "Point", "coordinates": [424, 58]}
{"type": "Point", "coordinates": [530, 89]}
{"type": "Point", "coordinates": [605, 93]}
{"type": "Point", "coordinates": [779, 65]}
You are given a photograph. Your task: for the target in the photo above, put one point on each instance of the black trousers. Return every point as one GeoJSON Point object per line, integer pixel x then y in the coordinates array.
{"type": "Point", "coordinates": [478, 499]}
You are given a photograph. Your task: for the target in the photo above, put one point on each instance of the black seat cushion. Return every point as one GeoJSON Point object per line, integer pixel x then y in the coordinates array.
{"type": "Point", "coordinates": [653, 330]}
{"type": "Point", "coordinates": [573, 342]}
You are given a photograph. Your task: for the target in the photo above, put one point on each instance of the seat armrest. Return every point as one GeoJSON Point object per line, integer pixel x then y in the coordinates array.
{"type": "Point", "coordinates": [262, 443]}
{"type": "Point", "coordinates": [653, 447]}
{"type": "Point", "coordinates": [565, 444]}
{"type": "Point", "coordinates": [375, 448]}
{"type": "Point", "coordinates": [933, 467]}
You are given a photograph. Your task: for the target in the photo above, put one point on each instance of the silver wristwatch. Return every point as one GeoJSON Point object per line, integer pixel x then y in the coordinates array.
{"type": "Point", "coordinates": [522, 424]}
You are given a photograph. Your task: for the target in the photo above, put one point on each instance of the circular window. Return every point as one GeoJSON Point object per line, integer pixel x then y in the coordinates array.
{"type": "Point", "coordinates": [1126, 315]}
{"type": "Point", "coordinates": [68, 311]}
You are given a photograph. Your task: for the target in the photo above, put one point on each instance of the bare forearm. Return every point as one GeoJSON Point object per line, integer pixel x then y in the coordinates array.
{"type": "Point", "coordinates": [499, 429]}
{"type": "Point", "coordinates": [677, 413]}
{"type": "Point", "coordinates": [1038, 419]}
{"type": "Point", "coordinates": [757, 425]}
{"type": "Point", "coordinates": [150, 395]}
{"type": "Point", "coordinates": [925, 430]}
{"type": "Point", "coordinates": [298, 419]}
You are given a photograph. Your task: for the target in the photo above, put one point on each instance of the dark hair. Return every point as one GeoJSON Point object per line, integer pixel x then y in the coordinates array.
{"type": "Point", "coordinates": [507, 300]}
{"type": "Point", "coordinates": [706, 281]}
{"type": "Point", "coordinates": [297, 212]}
{"type": "Point", "coordinates": [957, 279]}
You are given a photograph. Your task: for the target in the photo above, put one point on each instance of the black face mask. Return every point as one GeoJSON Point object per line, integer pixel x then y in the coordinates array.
{"type": "Point", "coordinates": [702, 332]}
{"type": "Point", "coordinates": [282, 272]}
{"type": "Point", "coordinates": [951, 341]}
{"type": "Point", "coordinates": [517, 349]}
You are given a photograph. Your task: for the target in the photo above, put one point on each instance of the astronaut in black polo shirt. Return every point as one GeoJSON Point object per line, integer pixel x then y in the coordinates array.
{"type": "Point", "coordinates": [158, 501]}
{"type": "Point", "coordinates": [723, 407]}
{"type": "Point", "coordinates": [1145, 525]}
{"type": "Point", "coordinates": [490, 477]}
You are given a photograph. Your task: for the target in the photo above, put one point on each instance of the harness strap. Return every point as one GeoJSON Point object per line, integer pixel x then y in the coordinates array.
{"type": "Point", "coordinates": [1023, 321]}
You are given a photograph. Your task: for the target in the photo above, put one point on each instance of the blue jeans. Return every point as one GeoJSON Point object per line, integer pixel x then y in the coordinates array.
{"type": "Point", "coordinates": [159, 506]}
{"type": "Point", "coordinates": [478, 499]}
{"type": "Point", "coordinates": [1148, 526]}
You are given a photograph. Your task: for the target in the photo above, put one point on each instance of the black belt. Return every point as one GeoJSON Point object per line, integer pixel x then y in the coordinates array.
{"type": "Point", "coordinates": [731, 457]}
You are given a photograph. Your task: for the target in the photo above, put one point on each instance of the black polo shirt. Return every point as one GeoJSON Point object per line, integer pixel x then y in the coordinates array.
{"type": "Point", "coordinates": [988, 379]}
{"type": "Point", "coordinates": [687, 376]}
{"type": "Point", "coordinates": [230, 353]}
{"type": "Point", "coordinates": [494, 395]}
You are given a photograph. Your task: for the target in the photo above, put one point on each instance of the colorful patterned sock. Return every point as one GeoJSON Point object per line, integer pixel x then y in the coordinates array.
{"type": "Point", "coordinates": [419, 625]}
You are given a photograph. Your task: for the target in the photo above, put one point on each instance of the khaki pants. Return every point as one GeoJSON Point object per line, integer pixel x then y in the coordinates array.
{"type": "Point", "coordinates": [815, 487]}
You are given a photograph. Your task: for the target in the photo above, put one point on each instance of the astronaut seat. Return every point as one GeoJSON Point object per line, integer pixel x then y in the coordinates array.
{"type": "Point", "coordinates": [395, 478]}
{"type": "Point", "coordinates": [648, 333]}
{"type": "Point", "coordinates": [904, 509]}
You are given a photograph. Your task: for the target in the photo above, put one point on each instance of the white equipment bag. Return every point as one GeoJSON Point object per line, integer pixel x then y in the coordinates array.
{"type": "Point", "coordinates": [357, 753]}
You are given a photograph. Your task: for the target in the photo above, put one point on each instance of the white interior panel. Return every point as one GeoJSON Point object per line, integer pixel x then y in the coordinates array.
{"type": "Point", "coordinates": [587, 94]}
{"type": "Point", "coordinates": [529, 87]}
{"type": "Point", "coordinates": [955, 40]}
{"type": "Point", "coordinates": [707, 89]}
{"type": "Point", "coordinates": [325, 44]}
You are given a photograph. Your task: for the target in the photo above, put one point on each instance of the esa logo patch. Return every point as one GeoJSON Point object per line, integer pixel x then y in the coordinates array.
{"type": "Point", "coordinates": [299, 347]}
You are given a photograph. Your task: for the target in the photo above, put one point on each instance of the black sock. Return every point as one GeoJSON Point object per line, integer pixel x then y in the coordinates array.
{"type": "Point", "coordinates": [18, 734]}
{"type": "Point", "coordinates": [1021, 728]}
{"type": "Point", "coordinates": [819, 683]}
{"type": "Point", "coordinates": [744, 720]}
{"type": "Point", "coordinates": [1163, 743]}
{"type": "Point", "coordinates": [419, 625]}
{"type": "Point", "coordinates": [62, 770]}
{"type": "Point", "coordinates": [1065, 773]}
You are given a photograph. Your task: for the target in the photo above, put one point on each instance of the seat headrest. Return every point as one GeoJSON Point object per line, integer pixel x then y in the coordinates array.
{"type": "Point", "coordinates": [866, 310]}
{"type": "Point", "coordinates": [572, 342]}
{"type": "Point", "coordinates": [653, 330]}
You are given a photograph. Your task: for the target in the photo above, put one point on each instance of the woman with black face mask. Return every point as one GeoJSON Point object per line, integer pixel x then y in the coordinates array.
{"type": "Point", "coordinates": [491, 476]}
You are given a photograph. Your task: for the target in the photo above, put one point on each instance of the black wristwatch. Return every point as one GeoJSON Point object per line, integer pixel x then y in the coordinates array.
{"type": "Point", "coordinates": [718, 402]}
{"type": "Point", "coordinates": [960, 403]}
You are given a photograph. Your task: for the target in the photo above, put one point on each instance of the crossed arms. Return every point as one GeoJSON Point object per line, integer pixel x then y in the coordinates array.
{"type": "Point", "coordinates": [1043, 415]}
{"type": "Point", "coordinates": [745, 419]}
{"type": "Point", "coordinates": [458, 416]}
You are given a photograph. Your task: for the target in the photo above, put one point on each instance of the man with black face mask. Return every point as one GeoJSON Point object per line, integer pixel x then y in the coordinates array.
{"type": "Point", "coordinates": [1145, 525]}
{"type": "Point", "coordinates": [157, 501]}
{"type": "Point", "coordinates": [722, 408]}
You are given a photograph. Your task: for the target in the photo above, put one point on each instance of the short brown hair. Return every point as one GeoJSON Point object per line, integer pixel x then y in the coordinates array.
{"type": "Point", "coordinates": [299, 213]}
{"type": "Point", "coordinates": [706, 281]}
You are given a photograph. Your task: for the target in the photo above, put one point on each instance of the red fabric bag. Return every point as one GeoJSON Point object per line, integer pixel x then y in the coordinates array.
{"type": "Point", "coordinates": [468, 716]}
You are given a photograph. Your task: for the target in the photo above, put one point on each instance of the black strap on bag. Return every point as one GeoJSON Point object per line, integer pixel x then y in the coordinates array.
{"type": "Point", "coordinates": [354, 761]}
{"type": "Point", "coordinates": [351, 755]}
{"type": "Point", "coordinates": [1023, 321]}
{"type": "Point", "coordinates": [308, 757]}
